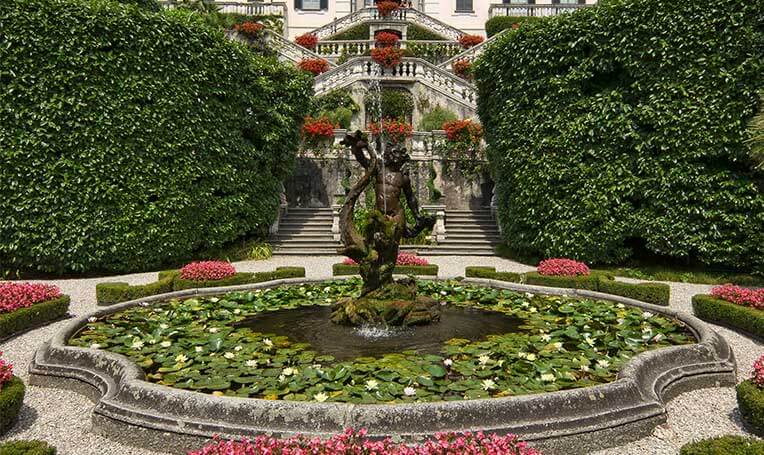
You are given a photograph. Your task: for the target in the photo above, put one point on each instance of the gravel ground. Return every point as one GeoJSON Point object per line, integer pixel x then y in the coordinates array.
{"type": "Point", "coordinates": [63, 418]}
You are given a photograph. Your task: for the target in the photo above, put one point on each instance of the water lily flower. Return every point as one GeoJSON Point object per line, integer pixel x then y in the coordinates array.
{"type": "Point", "coordinates": [546, 337]}
{"type": "Point", "coordinates": [289, 371]}
{"type": "Point", "coordinates": [371, 384]}
{"type": "Point", "coordinates": [484, 359]}
{"type": "Point", "coordinates": [585, 368]}
{"type": "Point", "coordinates": [92, 319]}
{"type": "Point", "coordinates": [488, 384]}
{"type": "Point", "coordinates": [529, 295]}
{"type": "Point", "coordinates": [137, 344]}
{"type": "Point", "coordinates": [321, 397]}
{"type": "Point", "coordinates": [448, 362]}
{"type": "Point", "coordinates": [152, 341]}
{"type": "Point", "coordinates": [251, 363]}
{"type": "Point", "coordinates": [237, 311]}
{"type": "Point", "coordinates": [229, 355]}
{"type": "Point", "coordinates": [522, 355]}
{"type": "Point", "coordinates": [268, 343]}
{"type": "Point", "coordinates": [199, 349]}
{"type": "Point", "coordinates": [533, 309]}
{"type": "Point", "coordinates": [409, 391]}
{"type": "Point", "coordinates": [181, 358]}
{"type": "Point", "coordinates": [557, 345]}
{"type": "Point", "coordinates": [165, 344]}
{"type": "Point", "coordinates": [621, 305]}
{"type": "Point", "coordinates": [327, 289]}
{"type": "Point", "coordinates": [282, 378]}
{"type": "Point", "coordinates": [531, 357]}
{"type": "Point", "coordinates": [213, 330]}
{"type": "Point", "coordinates": [589, 341]}
{"type": "Point", "coordinates": [443, 293]}
{"type": "Point", "coordinates": [238, 348]}
{"type": "Point", "coordinates": [548, 377]}
{"type": "Point", "coordinates": [658, 337]}
{"type": "Point", "coordinates": [164, 326]}
{"type": "Point", "coordinates": [95, 346]}
{"type": "Point", "coordinates": [647, 315]}
{"type": "Point", "coordinates": [603, 363]}
{"type": "Point", "coordinates": [525, 304]}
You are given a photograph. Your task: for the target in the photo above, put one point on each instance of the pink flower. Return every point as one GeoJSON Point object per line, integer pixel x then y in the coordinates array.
{"type": "Point", "coordinates": [6, 371]}
{"type": "Point", "coordinates": [403, 259]}
{"type": "Point", "coordinates": [739, 295]}
{"type": "Point", "coordinates": [22, 295]}
{"type": "Point", "coordinates": [562, 267]}
{"type": "Point", "coordinates": [758, 372]}
{"type": "Point", "coordinates": [207, 270]}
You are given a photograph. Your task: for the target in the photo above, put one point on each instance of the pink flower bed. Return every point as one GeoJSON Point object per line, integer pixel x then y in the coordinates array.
{"type": "Point", "coordinates": [562, 267]}
{"type": "Point", "coordinates": [739, 295]}
{"type": "Point", "coordinates": [207, 270]}
{"type": "Point", "coordinates": [22, 295]}
{"type": "Point", "coordinates": [6, 371]}
{"type": "Point", "coordinates": [758, 372]}
{"type": "Point", "coordinates": [352, 443]}
{"type": "Point", "coordinates": [403, 259]}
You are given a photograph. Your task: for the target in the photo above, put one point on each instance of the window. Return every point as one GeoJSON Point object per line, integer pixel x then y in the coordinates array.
{"type": "Point", "coordinates": [464, 6]}
{"type": "Point", "coordinates": [311, 5]}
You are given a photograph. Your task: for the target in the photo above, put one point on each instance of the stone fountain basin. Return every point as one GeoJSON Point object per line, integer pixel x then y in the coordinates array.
{"type": "Point", "coordinates": [130, 409]}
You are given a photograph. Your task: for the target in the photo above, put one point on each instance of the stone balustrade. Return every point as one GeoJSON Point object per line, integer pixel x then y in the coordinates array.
{"type": "Point", "coordinates": [287, 50]}
{"type": "Point", "coordinates": [470, 54]}
{"type": "Point", "coordinates": [515, 9]}
{"type": "Point", "coordinates": [399, 15]}
{"type": "Point", "coordinates": [248, 8]}
{"type": "Point", "coordinates": [430, 50]}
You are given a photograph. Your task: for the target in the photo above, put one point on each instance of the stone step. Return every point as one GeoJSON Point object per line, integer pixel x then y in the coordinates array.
{"type": "Point", "coordinates": [488, 211]}
{"type": "Point", "coordinates": [308, 240]}
{"type": "Point", "coordinates": [309, 209]}
{"type": "Point", "coordinates": [326, 230]}
{"type": "Point", "coordinates": [450, 217]}
{"type": "Point", "coordinates": [306, 252]}
{"type": "Point", "coordinates": [312, 223]}
{"type": "Point", "coordinates": [451, 237]}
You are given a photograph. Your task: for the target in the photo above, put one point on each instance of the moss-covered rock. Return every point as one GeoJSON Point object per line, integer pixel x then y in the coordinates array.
{"type": "Point", "coordinates": [396, 304]}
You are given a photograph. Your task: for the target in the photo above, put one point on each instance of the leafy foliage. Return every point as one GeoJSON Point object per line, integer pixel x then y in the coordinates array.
{"type": "Point", "coordinates": [756, 128]}
{"type": "Point", "coordinates": [434, 119]}
{"type": "Point", "coordinates": [725, 445]}
{"type": "Point", "coordinates": [395, 104]}
{"type": "Point", "coordinates": [416, 32]}
{"type": "Point", "coordinates": [198, 344]}
{"type": "Point", "coordinates": [174, 140]}
{"type": "Point", "coordinates": [34, 316]}
{"type": "Point", "coordinates": [720, 311]}
{"type": "Point", "coordinates": [621, 128]}
{"type": "Point", "coordinates": [496, 24]}
{"type": "Point", "coordinates": [32, 447]}
{"type": "Point", "coordinates": [11, 399]}
{"type": "Point", "coordinates": [356, 32]}
{"type": "Point", "coordinates": [750, 401]}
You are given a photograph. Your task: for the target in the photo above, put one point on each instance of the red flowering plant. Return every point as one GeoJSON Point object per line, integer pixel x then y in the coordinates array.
{"type": "Point", "coordinates": [251, 30]}
{"type": "Point", "coordinates": [207, 271]}
{"type": "Point", "coordinates": [313, 65]}
{"type": "Point", "coordinates": [462, 68]}
{"type": "Point", "coordinates": [393, 130]}
{"type": "Point", "coordinates": [6, 371]}
{"type": "Point", "coordinates": [317, 135]}
{"type": "Point", "coordinates": [562, 267]}
{"type": "Point", "coordinates": [386, 7]}
{"type": "Point", "coordinates": [402, 259]}
{"type": "Point", "coordinates": [307, 40]}
{"type": "Point", "coordinates": [355, 443]}
{"type": "Point", "coordinates": [758, 372]}
{"type": "Point", "coordinates": [463, 147]}
{"type": "Point", "coordinates": [14, 296]}
{"type": "Point", "coordinates": [388, 57]}
{"type": "Point", "coordinates": [386, 39]}
{"type": "Point", "coordinates": [468, 41]}
{"type": "Point", "coordinates": [740, 295]}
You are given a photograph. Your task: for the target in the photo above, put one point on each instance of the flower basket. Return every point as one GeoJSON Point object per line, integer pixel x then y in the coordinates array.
{"type": "Point", "coordinates": [315, 66]}
{"type": "Point", "coordinates": [388, 57]}
{"type": "Point", "coordinates": [386, 39]}
{"type": "Point", "coordinates": [462, 68]}
{"type": "Point", "coordinates": [468, 41]}
{"type": "Point", "coordinates": [385, 8]}
{"type": "Point", "coordinates": [251, 30]}
{"type": "Point", "coordinates": [393, 130]}
{"type": "Point", "coordinates": [307, 40]}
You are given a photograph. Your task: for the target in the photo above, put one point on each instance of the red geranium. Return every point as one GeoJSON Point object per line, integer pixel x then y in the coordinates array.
{"type": "Point", "coordinates": [758, 372]}
{"type": "Point", "coordinates": [314, 65]}
{"type": "Point", "coordinates": [395, 130]}
{"type": "Point", "coordinates": [562, 267]}
{"type": "Point", "coordinates": [467, 41]}
{"type": "Point", "coordinates": [22, 295]}
{"type": "Point", "coordinates": [386, 7]}
{"type": "Point", "coordinates": [465, 131]}
{"type": "Point", "coordinates": [6, 371]}
{"type": "Point", "coordinates": [462, 68]}
{"type": "Point", "coordinates": [386, 39]}
{"type": "Point", "coordinates": [317, 130]}
{"type": "Point", "coordinates": [403, 259]}
{"type": "Point", "coordinates": [207, 270]}
{"type": "Point", "coordinates": [251, 30]}
{"type": "Point", "coordinates": [739, 295]}
{"type": "Point", "coordinates": [387, 56]}
{"type": "Point", "coordinates": [308, 40]}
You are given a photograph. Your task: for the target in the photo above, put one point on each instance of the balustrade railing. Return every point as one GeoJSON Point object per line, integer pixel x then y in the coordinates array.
{"type": "Point", "coordinates": [434, 51]}
{"type": "Point", "coordinates": [470, 54]}
{"type": "Point", "coordinates": [288, 50]}
{"type": "Point", "coordinates": [399, 15]}
{"type": "Point", "coordinates": [248, 8]}
{"type": "Point", "coordinates": [518, 9]}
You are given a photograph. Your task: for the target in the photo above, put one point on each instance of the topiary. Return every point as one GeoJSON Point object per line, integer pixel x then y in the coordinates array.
{"type": "Point", "coordinates": [32, 447]}
{"type": "Point", "coordinates": [434, 119]}
{"type": "Point", "coordinates": [131, 139]}
{"type": "Point", "coordinates": [620, 129]}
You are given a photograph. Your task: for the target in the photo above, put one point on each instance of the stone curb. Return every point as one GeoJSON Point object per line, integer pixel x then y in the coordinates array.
{"type": "Point", "coordinates": [570, 421]}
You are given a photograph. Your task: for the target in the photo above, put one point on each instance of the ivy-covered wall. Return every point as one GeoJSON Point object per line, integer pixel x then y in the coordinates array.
{"type": "Point", "coordinates": [132, 138]}
{"type": "Point", "coordinates": [621, 128]}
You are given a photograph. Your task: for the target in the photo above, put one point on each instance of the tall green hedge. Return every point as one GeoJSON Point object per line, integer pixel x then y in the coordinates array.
{"type": "Point", "coordinates": [621, 128]}
{"type": "Point", "coordinates": [131, 138]}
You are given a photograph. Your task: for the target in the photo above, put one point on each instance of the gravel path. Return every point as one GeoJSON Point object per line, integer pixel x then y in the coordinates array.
{"type": "Point", "coordinates": [63, 418]}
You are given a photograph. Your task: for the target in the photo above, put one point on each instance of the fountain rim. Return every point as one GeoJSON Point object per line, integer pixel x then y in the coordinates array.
{"type": "Point", "coordinates": [629, 407]}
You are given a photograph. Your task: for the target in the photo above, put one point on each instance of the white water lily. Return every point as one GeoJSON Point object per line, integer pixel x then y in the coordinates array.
{"type": "Point", "coordinates": [548, 377]}
{"type": "Point", "coordinates": [488, 384]}
{"type": "Point", "coordinates": [321, 397]}
{"type": "Point", "coordinates": [484, 359]}
{"type": "Point", "coordinates": [658, 337]}
{"type": "Point", "coordinates": [443, 293]}
{"type": "Point", "coordinates": [533, 309]}
{"type": "Point", "coordinates": [152, 341]}
{"type": "Point", "coordinates": [531, 357]}
{"type": "Point", "coordinates": [251, 363]}
{"type": "Point", "coordinates": [546, 337]}
{"type": "Point", "coordinates": [238, 348]}
{"type": "Point", "coordinates": [557, 345]}
{"type": "Point", "coordinates": [585, 368]}
{"type": "Point", "coordinates": [621, 305]}
{"type": "Point", "coordinates": [409, 391]}
{"type": "Point", "coordinates": [529, 295]}
{"type": "Point", "coordinates": [213, 330]}
{"type": "Point", "coordinates": [137, 344]}
{"type": "Point", "coordinates": [95, 346]}
{"type": "Point", "coordinates": [647, 315]}
{"type": "Point", "coordinates": [289, 371]}
{"type": "Point", "coordinates": [371, 384]}
{"type": "Point", "coordinates": [448, 362]}
{"type": "Point", "coordinates": [327, 289]}
{"type": "Point", "coordinates": [229, 355]}
{"type": "Point", "coordinates": [589, 341]}
{"type": "Point", "coordinates": [92, 319]}
{"type": "Point", "coordinates": [164, 326]}
{"type": "Point", "coordinates": [268, 343]}
{"type": "Point", "coordinates": [603, 363]}
{"type": "Point", "coordinates": [282, 378]}
{"type": "Point", "coordinates": [165, 344]}
{"type": "Point", "coordinates": [525, 304]}
{"type": "Point", "coordinates": [199, 349]}
{"type": "Point", "coordinates": [522, 355]}
{"type": "Point", "coordinates": [237, 311]}
{"type": "Point", "coordinates": [181, 358]}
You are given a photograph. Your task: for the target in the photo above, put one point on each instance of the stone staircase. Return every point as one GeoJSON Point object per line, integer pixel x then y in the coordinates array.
{"type": "Point", "coordinates": [468, 233]}
{"type": "Point", "coordinates": [305, 232]}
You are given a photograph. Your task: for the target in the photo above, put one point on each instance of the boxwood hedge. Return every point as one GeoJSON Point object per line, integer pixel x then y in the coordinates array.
{"type": "Point", "coordinates": [712, 309]}
{"type": "Point", "coordinates": [495, 25]}
{"type": "Point", "coordinates": [32, 447]}
{"type": "Point", "coordinates": [33, 316]}
{"type": "Point", "coordinates": [349, 269]}
{"type": "Point", "coordinates": [11, 399]}
{"type": "Point", "coordinates": [655, 293]}
{"type": "Point", "coordinates": [621, 128]}
{"type": "Point", "coordinates": [725, 445]}
{"type": "Point", "coordinates": [750, 401]}
{"type": "Point", "coordinates": [132, 138]}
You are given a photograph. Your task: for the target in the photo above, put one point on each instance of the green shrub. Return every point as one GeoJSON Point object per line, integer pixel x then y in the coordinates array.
{"type": "Point", "coordinates": [588, 282]}
{"type": "Point", "coordinates": [33, 316]}
{"type": "Point", "coordinates": [260, 251]}
{"type": "Point", "coordinates": [429, 270]}
{"type": "Point", "coordinates": [655, 293]}
{"type": "Point", "coordinates": [180, 284]}
{"type": "Point", "coordinates": [756, 140]}
{"type": "Point", "coordinates": [720, 311]}
{"type": "Point", "coordinates": [149, 5]}
{"type": "Point", "coordinates": [27, 448]}
{"type": "Point", "coordinates": [418, 33]}
{"type": "Point", "coordinates": [356, 32]}
{"type": "Point", "coordinates": [11, 399]}
{"type": "Point", "coordinates": [725, 445]}
{"type": "Point", "coordinates": [397, 104]}
{"type": "Point", "coordinates": [434, 119]}
{"type": "Point", "coordinates": [497, 24]}
{"type": "Point", "coordinates": [621, 129]}
{"type": "Point", "coordinates": [173, 141]}
{"type": "Point", "coordinates": [334, 99]}
{"type": "Point", "coordinates": [111, 293]}
{"type": "Point", "coordinates": [341, 116]}
{"type": "Point", "coordinates": [750, 401]}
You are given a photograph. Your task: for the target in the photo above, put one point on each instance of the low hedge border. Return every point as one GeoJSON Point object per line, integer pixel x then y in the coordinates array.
{"type": "Point", "coordinates": [11, 399]}
{"type": "Point", "coordinates": [27, 447]}
{"type": "Point", "coordinates": [725, 445]}
{"type": "Point", "coordinates": [169, 280]}
{"type": "Point", "coordinates": [750, 401]}
{"type": "Point", "coordinates": [655, 293]}
{"type": "Point", "coordinates": [32, 317]}
{"type": "Point", "coordinates": [743, 318]}
{"type": "Point", "coordinates": [428, 270]}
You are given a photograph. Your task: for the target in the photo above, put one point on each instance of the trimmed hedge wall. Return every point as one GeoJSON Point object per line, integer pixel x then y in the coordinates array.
{"type": "Point", "coordinates": [750, 401]}
{"type": "Point", "coordinates": [11, 399]}
{"type": "Point", "coordinates": [27, 448]}
{"type": "Point", "coordinates": [655, 293]}
{"type": "Point", "coordinates": [132, 139]}
{"type": "Point", "coordinates": [497, 24]}
{"type": "Point", "coordinates": [621, 128]}
{"type": "Point", "coordinates": [430, 270]}
{"type": "Point", "coordinates": [33, 316]}
{"type": "Point", "coordinates": [720, 311]}
{"type": "Point", "coordinates": [725, 445]}
{"type": "Point", "coordinates": [169, 280]}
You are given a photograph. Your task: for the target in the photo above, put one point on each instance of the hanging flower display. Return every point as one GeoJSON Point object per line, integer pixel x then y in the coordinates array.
{"type": "Point", "coordinates": [251, 30]}
{"type": "Point", "coordinates": [463, 147]}
{"type": "Point", "coordinates": [386, 7]}
{"type": "Point", "coordinates": [386, 39]}
{"type": "Point", "coordinates": [396, 131]}
{"type": "Point", "coordinates": [462, 68]}
{"type": "Point", "coordinates": [307, 40]}
{"type": "Point", "coordinates": [468, 41]}
{"type": "Point", "coordinates": [316, 131]}
{"type": "Point", "coordinates": [313, 65]}
{"type": "Point", "coordinates": [387, 56]}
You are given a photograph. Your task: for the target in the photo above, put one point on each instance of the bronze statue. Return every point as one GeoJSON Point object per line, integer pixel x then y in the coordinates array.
{"type": "Point", "coordinates": [382, 300]}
